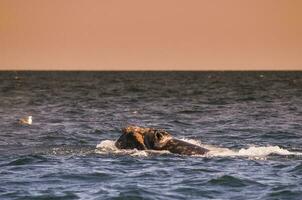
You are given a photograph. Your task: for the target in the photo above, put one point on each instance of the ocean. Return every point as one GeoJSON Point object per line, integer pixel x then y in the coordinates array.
{"type": "Point", "coordinates": [250, 121]}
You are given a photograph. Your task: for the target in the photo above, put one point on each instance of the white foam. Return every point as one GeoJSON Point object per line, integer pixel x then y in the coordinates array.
{"type": "Point", "coordinates": [253, 152]}
{"type": "Point", "coordinates": [264, 151]}
{"type": "Point", "coordinates": [108, 146]}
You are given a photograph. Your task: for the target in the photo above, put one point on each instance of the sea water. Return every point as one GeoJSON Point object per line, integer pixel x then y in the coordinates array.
{"type": "Point", "coordinates": [250, 121]}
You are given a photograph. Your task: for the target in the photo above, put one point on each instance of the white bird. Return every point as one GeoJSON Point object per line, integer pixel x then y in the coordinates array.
{"type": "Point", "coordinates": [27, 120]}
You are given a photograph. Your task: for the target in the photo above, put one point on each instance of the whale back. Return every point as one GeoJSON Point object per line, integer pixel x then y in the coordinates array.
{"type": "Point", "coordinates": [185, 148]}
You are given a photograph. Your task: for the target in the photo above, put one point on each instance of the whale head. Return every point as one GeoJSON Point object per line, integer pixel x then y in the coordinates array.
{"type": "Point", "coordinates": [161, 137]}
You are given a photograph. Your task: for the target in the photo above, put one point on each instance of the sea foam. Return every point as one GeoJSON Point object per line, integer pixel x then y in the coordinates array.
{"type": "Point", "coordinates": [108, 147]}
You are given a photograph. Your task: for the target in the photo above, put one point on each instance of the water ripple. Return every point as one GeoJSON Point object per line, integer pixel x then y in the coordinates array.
{"type": "Point", "coordinates": [232, 181]}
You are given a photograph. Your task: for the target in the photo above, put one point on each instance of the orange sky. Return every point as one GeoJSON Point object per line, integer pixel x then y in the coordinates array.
{"type": "Point", "coordinates": [151, 34]}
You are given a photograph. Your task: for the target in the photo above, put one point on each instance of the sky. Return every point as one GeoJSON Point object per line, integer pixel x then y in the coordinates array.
{"type": "Point", "coordinates": [150, 35]}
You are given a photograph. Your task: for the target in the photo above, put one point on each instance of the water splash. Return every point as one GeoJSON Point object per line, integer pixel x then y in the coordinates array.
{"type": "Point", "coordinates": [108, 147]}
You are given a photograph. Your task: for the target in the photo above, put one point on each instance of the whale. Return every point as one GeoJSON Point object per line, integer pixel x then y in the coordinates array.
{"type": "Point", "coordinates": [140, 138]}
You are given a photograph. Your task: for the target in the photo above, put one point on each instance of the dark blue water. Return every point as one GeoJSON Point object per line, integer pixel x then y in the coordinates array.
{"type": "Point", "coordinates": [250, 121]}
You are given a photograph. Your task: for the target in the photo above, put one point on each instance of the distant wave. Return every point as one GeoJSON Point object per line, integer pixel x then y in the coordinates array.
{"type": "Point", "coordinates": [253, 152]}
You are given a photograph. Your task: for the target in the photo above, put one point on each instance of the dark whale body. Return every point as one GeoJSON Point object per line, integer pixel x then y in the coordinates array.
{"type": "Point", "coordinates": [182, 147]}
{"type": "Point", "coordinates": [134, 137]}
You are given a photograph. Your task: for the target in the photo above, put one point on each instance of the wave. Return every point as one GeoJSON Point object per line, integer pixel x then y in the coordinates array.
{"type": "Point", "coordinates": [232, 181]}
{"type": "Point", "coordinates": [253, 152]}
